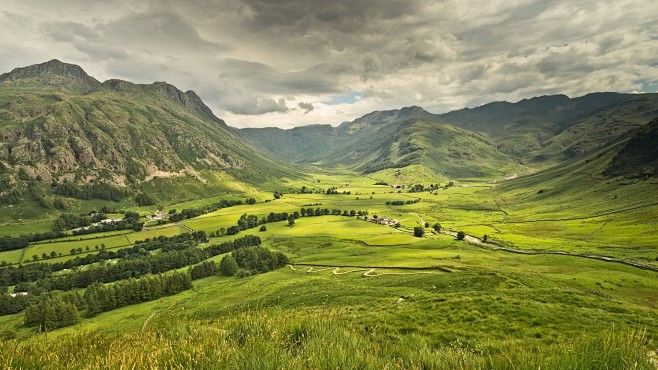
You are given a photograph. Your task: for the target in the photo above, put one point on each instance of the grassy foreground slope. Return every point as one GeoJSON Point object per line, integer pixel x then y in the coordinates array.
{"type": "Point", "coordinates": [480, 309]}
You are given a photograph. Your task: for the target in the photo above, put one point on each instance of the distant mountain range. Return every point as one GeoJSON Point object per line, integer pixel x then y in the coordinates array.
{"type": "Point", "coordinates": [59, 126]}
{"type": "Point", "coordinates": [485, 140]}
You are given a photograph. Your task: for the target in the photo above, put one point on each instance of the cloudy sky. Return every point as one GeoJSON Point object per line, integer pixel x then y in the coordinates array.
{"type": "Point", "coordinates": [294, 62]}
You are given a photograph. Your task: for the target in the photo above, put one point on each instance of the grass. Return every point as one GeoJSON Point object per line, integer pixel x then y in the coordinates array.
{"type": "Point", "coordinates": [308, 339]}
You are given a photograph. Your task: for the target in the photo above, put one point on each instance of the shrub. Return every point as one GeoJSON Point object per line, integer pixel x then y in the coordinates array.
{"type": "Point", "coordinates": [228, 266]}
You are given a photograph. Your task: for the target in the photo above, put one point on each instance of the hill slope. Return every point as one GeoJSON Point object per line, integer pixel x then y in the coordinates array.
{"type": "Point", "coordinates": [639, 157]}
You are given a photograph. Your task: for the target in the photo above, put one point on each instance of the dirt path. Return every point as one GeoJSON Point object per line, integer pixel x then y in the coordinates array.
{"type": "Point", "coordinates": [369, 271]}
{"type": "Point", "coordinates": [147, 320]}
{"type": "Point", "coordinates": [185, 227]}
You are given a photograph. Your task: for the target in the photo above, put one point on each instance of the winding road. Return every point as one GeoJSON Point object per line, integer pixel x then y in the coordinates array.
{"type": "Point", "coordinates": [497, 247]}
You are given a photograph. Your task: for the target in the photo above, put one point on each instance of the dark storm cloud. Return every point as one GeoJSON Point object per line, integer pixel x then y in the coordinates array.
{"type": "Point", "coordinates": [248, 58]}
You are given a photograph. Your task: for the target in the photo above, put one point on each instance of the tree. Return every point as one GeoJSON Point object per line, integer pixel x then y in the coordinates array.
{"type": "Point", "coordinates": [437, 227]}
{"type": "Point", "coordinates": [427, 224]}
{"type": "Point", "coordinates": [419, 231]}
{"type": "Point", "coordinates": [263, 228]}
{"type": "Point", "coordinates": [291, 220]}
{"type": "Point", "coordinates": [485, 237]}
{"type": "Point", "coordinates": [461, 235]}
{"type": "Point", "coordinates": [228, 266]}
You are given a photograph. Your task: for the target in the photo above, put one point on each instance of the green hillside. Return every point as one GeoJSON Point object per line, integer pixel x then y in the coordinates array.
{"type": "Point", "coordinates": [639, 156]}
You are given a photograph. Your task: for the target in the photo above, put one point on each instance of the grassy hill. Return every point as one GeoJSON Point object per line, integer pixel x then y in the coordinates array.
{"type": "Point", "coordinates": [388, 139]}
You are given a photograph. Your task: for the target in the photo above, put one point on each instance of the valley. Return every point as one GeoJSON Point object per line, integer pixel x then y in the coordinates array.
{"type": "Point", "coordinates": [557, 266]}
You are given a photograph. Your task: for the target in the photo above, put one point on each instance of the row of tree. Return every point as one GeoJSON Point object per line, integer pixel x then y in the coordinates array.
{"type": "Point", "coordinates": [15, 275]}
{"type": "Point", "coordinates": [54, 311]}
{"type": "Point", "coordinates": [250, 221]}
{"type": "Point", "coordinates": [198, 211]}
{"type": "Point", "coordinates": [132, 267]}
{"type": "Point", "coordinates": [135, 265]}
{"type": "Point", "coordinates": [8, 243]}
{"type": "Point", "coordinates": [100, 298]}
{"type": "Point", "coordinates": [91, 191]}
{"type": "Point", "coordinates": [402, 202]}
{"type": "Point", "coordinates": [59, 309]}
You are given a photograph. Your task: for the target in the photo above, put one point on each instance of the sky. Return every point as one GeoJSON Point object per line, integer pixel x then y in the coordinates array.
{"type": "Point", "coordinates": [286, 63]}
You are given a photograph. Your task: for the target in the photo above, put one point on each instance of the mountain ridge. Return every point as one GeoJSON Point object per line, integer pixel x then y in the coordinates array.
{"type": "Point", "coordinates": [57, 74]}
{"type": "Point", "coordinates": [59, 125]}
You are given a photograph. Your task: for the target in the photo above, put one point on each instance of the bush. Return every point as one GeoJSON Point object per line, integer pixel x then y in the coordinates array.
{"type": "Point", "coordinates": [419, 231]}
{"type": "Point", "coordinates": [461, 235]}
{"type": "Point", "coordinates": [228, 266]}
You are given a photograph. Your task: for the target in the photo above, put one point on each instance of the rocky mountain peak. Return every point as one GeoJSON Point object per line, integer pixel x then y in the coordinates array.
{"type": "Point", "coordinates": [188, 99]}
{"type": "Point", "coordinates": [52, 73]}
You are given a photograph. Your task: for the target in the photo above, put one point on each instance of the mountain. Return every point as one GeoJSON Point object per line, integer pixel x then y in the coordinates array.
{"type": "Point", "coordinates": [57, 125]}
{"type": "Point", "coordinates": [492, 138]}
{"type": "Point", "coordinates": [388, 139]}
{"type": "Point", "coordinates": [556, 127]}
{"type": "Point", "coordinates": [296, 144]}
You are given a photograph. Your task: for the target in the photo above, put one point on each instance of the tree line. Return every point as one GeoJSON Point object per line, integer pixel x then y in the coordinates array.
{"type": "Point", "coordinates": [8, 243]}
{"type": "Point", "coordinates": [100, 298]}
{"type": "Point", "coordinates": [247, 221]}
{"type": "Point", "coordinates": [91, 191]}
{"type": "Point", "coordinates": [402, 202]}
{"type": "Point", "coordinates": [59, 309]}
{"type": "Point", "coordinates": [15, 275]}
{"type": "Point", "coordinates": [198, 211]}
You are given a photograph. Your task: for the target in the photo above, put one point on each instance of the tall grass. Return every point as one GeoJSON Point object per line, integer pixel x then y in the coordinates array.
{"type": "Point", "coordinates": [259, 340]}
